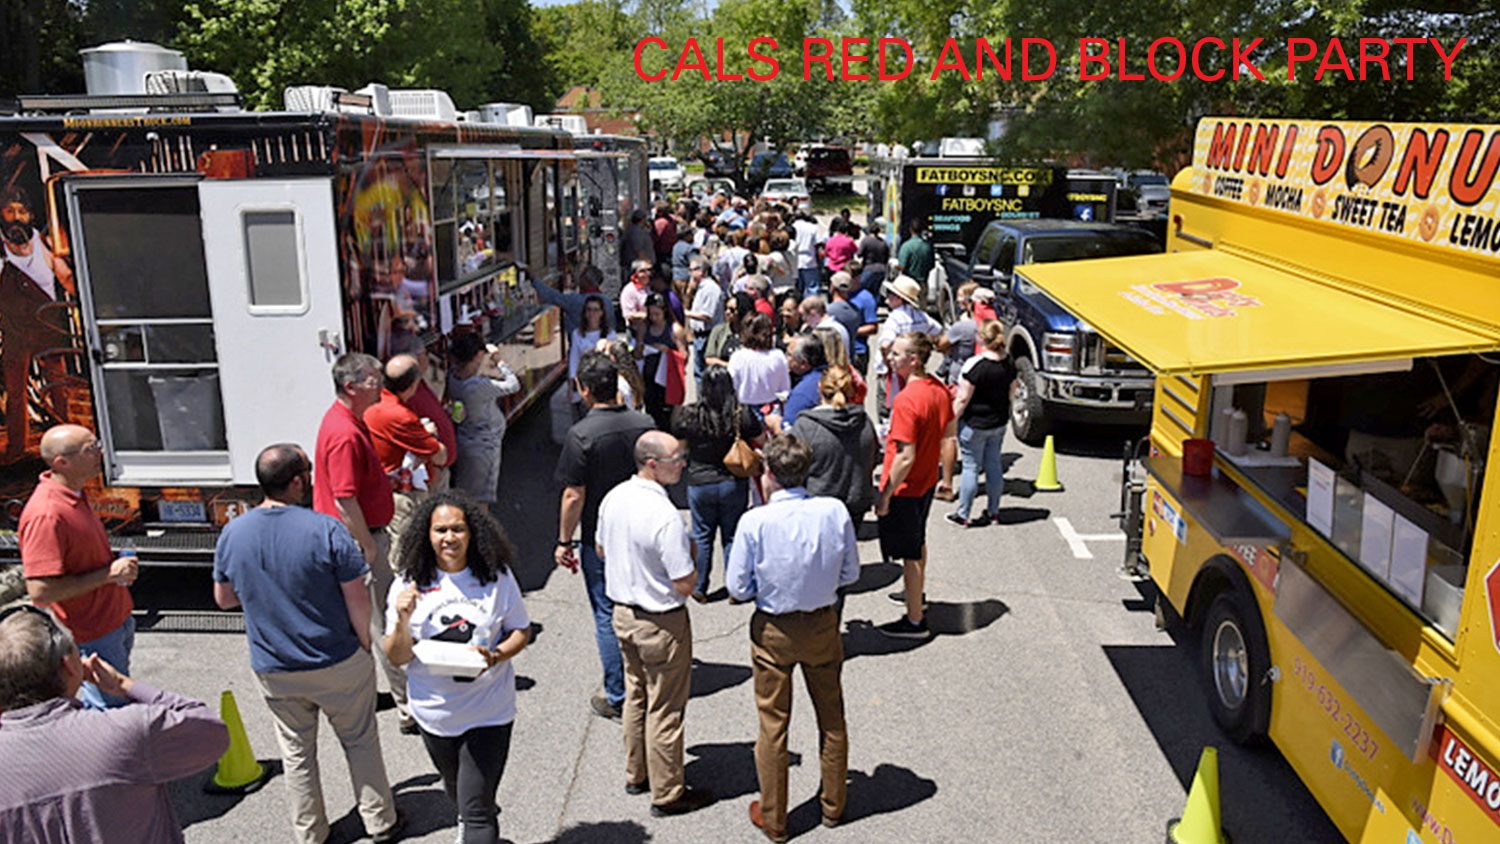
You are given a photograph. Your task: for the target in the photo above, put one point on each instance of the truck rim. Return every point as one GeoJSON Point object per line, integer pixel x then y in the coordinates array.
{"type": "Point", "coordinates": [1231, 664]}
{"type": "Point", "coordinates": [1019, 409]}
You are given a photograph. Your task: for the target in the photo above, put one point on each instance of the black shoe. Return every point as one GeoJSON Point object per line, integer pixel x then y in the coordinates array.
{"type": "Point", "coordinates": [634, 788]}
{"type": "Point", "coordinates": [410, 728]}
{"type": "Point", "coordinates": [978, 521]}
{"type": "Point", "coordinates": [692, 800]}
{"type": "Point", "coordinates": [903, 628]}
{"type": "Point", "coordinates": [603, 708]}
{"type": "Point", "coordinates": [899, 597]}
{"type": "Point", "coordinates": [393, 833]}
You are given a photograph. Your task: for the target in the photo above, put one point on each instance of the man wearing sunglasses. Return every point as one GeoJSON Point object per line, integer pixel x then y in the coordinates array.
{"type": "Point", "coordinates": [71, 774]}
{"type": "Point", "coordinates": [67, 560]}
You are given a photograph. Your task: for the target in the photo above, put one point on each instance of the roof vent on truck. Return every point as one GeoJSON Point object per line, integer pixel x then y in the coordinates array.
{"type": "Point", "coordinates": [505, 114]}
{"type": "Point", "coordinates": [371, 99]}
{"type": "Point", "coordinates": [423, 104]}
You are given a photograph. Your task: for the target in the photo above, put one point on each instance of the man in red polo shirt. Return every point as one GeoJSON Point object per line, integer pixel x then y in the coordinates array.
{"type": "Point", "coordinates": [406, 443]}
{"type": "Point", "coordinates": [920, 418]}
{"type": "Point", "coordinates": [67, 560]}
{"type": "Point", "coordinates": [350, 485]}
{"type": "Point", "coordinates": [428, 406]}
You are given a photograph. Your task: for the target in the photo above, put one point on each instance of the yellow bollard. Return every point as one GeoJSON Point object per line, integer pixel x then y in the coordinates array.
{"type": "Point", "coordinates": [1200, 822]}
{"type": "Point", "coordinates": [1046, 476]}
{"type": "Point", "coordinates": [238, 772]}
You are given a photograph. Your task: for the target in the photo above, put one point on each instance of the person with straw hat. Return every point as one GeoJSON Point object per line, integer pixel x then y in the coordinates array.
{"type": "Point", "coordinates": [903, 297]}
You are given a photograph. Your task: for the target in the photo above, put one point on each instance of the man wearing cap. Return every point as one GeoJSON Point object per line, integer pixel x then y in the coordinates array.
{"type": "Point", "coordinates": [916, 257]}
{"type": "Point", "coordinates": [736, 216]}
{"type": "Point", "coordinates": [902, 296]}
{"type": "Point", "coordinates": [633, 295]}
{"type": "Point", "coordinates": [847, 315]}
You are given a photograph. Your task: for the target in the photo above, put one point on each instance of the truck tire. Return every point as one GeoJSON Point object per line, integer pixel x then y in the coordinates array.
{"type": "Point", "coordinates": [1028, 417]}
{"type": "Point", "coordinates": [1234, 660]}
{"type": "Point", "coordinates": [947, 310]}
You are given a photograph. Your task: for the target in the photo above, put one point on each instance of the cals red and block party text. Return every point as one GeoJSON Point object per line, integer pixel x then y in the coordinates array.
{"type": "Point", "coordinates": [1209, 59]}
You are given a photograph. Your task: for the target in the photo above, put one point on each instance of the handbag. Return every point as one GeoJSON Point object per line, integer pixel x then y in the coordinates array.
{"type": "Point", "coordinates": [741, 460]}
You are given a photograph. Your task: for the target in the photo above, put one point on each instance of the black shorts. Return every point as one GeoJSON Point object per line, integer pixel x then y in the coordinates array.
{"type": "Point", "coordinates": [903, 530]}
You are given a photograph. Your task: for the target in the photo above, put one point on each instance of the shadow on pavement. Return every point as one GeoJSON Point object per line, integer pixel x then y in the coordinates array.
{"type": "Point", "coordinates": [891, 788]}
{"type": "Point", "coordinates": [1096, 440]}
{"type": "Point", "coordinates": [527, 501]}
{"type": "Point", "coordinates": [727, 769]}
{"type": "Point", "coordinates": [861, 638]}
{"type": "Point", "coordinates": [1021, 515]}
{"type": "Point", "coordinates": [873, 576]}
{"type": "Point", "coordinates": [604, 832]}
{"type": "Point", "coordinates": [193, 805]}
{"type": "Point", "coordinates": [713, 677]}
{"type": "Point", "coordinates": [423, 810]}
{"type": "Point", "coordinates": [1164, 684]}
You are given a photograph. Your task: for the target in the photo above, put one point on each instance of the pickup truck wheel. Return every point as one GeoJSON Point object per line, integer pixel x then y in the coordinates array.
{"type": "Point", "coordinates": [945, 306]}
{"type": "Point", "coordinates": [1027, 417]}
{"type": "Point", "coordinates": [1234, 660]}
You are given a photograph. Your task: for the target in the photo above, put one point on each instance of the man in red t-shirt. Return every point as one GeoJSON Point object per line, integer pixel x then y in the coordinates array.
{"type": "Point", "coordinates": [428, 406]}
{"type": "Point", "coordinates": [350, 485]}
{"type": "Point", "coordinates": [406, 443]}
{"type": "Point", "coordinates": [921, 417]}
{"type": "Point", "coordinates": [67, 561]}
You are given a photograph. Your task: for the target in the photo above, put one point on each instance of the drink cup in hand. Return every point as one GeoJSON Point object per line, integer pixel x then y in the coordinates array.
{"type": "Point", "coordinates": [126, 567]}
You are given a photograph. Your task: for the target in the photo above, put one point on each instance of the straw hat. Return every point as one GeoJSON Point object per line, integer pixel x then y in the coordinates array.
{"type": "Point", "coordinates": [906, 287]}
{"type": "Point", "coordinates": [984, 294]}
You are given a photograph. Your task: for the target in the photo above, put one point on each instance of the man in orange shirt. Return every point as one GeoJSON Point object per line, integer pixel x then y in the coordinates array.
{"type": "Point", "coordinates": [920, 418]}
{"type": "Point", "coordinates": [406, 443]}
{"type": "Point", "coordinates": [67, 560]}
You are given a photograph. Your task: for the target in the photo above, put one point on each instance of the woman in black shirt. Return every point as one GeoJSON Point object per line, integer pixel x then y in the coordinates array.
{"type": "Point", "coordinates": [716, 498]}
{"type": "Point", "coordinates": [982, 406]}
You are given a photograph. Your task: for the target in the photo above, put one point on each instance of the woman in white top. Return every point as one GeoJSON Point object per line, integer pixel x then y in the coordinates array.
{"type": "Point", "coordinates": [759, 370]}
{"type": "Point", "coordinates": [478, 379]}
{"type": "Point", "coordinates": [458, 602]}
{"type": "Point", "coordinates": [585, 338]}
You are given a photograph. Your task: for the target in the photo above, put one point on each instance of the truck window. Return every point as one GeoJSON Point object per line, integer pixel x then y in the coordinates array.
{"type": "Point", "coordinates": [984, 251]}
{"type": "Point", "coordinates": [1075, 247]}
{"type": "Point", "coordinates": [1005, 260]}
{"type": "Point", "coordinates": [273, 259]}
{"type": "Point", "coordinates": [1409, 466]}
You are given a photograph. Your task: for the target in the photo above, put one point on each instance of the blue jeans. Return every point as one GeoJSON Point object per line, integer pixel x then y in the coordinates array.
{"type": "Point", "coordinates": [114, 648]}
{"type": "Point", "coordinates": [980, 447]}
{"type": "Point", "coordinates": [700, 361]}
{"type": "Point", "coordinates": [604, 625]}
{"type": "Point", "coordinates": [810, 280]}
{"type": "Point", "coordinates": [715, 506]}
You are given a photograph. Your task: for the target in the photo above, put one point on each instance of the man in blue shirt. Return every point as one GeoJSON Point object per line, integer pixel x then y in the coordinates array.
{"type": "Point", "coordinates": [806, 360]}
{"type": "Point", "coordinates": [792, 556]}
{"type": "Point", "coordinates": [300, 577]}
{"type": "Point", "coordinates": [864, 302]}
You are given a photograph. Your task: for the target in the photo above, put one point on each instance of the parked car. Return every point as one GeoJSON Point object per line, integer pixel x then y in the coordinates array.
{"type": "Point", "coordinates": [1152, 192]}
{"type": "Point", "coordinates": [827, 164]}
{"type": "Point", "coordinates": [702, 189]}
{"type": "Point", "coordinates": [718, 162]}
{"type": "Point", "coordinates": [786, 191]}
{"type": "Point", "coordinates": [1063, 369]}
{"type": "Point", "coordinates": [666, 174]}
{"type": "Point", "coordinates": [767, 165]}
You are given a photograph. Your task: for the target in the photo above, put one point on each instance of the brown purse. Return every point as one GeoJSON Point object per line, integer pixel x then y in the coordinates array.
{"type": "Point", "coordinates": [742, 460]}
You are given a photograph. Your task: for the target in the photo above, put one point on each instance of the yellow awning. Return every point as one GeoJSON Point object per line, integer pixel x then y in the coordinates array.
{"type": "Point", "coordinates": [1197, 313]}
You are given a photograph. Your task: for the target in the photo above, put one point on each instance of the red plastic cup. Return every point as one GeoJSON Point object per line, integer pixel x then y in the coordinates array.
{"type": "Point", "coordinates": [1198, 458]}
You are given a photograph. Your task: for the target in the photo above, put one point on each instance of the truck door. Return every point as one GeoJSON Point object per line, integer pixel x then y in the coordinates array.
{"type": "Point", "coordinates": [270, 251]}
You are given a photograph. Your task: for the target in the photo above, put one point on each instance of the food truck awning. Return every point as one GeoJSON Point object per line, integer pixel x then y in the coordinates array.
{"type": "Point", "coordinates": [500, 151]}
{"type": "Point", "coordinates": [1213, 312]}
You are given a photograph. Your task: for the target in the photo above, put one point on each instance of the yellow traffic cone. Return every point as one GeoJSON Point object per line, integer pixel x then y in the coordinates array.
{"type": "Point", "coordinates": [1200, 822]}
{"type": "Point", "coordinates": [1046, 477]}
{"type": "Point", "coordinates": [238, 772]}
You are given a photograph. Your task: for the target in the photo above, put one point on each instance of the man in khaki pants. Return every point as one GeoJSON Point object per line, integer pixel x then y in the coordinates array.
{"type": "Point", "coordinates": [310, 655]}
{"type": "Point", "coordinates": [649, 573]}
{"type": "Point", "coordinates": [792, 556]}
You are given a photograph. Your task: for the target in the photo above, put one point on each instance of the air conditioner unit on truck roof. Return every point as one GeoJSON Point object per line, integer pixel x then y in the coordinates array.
{"type": "Point", "coordinates": [423, 104]}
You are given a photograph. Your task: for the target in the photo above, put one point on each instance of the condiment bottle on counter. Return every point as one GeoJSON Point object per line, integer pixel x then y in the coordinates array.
{"type": "Point", "coordinates": [1281, 435]}
{"type": "Point", "coordinates": [1239, 427]}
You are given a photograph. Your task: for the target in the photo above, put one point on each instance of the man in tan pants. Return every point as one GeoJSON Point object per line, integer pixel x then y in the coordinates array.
{"type": "Point", "coordinates": [649, 573]}
{"type": "Point", "coordinates": [311, 655]}
{"type": "Point", "coordinates": [792, 556]}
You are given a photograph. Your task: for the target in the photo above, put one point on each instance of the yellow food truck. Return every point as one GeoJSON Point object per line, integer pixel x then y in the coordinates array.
{"type": "Point", "coordinates": [1328, 316]}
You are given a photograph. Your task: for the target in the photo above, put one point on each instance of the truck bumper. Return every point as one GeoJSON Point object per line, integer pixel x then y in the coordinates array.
{"type": "Point", "coordinates": [1098, 399]}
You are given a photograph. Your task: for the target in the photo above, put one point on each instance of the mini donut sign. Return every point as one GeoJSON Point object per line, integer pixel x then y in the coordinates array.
{"type": "Point", "coordinates": [1434, 184]}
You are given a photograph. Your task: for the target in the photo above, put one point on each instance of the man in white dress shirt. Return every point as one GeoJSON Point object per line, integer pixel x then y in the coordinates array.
{"type": "Point", "coordinates": [648, 575]}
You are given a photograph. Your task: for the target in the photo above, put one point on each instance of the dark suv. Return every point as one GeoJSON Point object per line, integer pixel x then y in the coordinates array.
{"type": "Point", "coordinates": [827, 164]}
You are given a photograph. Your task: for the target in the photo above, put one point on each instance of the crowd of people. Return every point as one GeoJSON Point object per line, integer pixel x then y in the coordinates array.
{"type": "Point", "coordinates": [385, 536]}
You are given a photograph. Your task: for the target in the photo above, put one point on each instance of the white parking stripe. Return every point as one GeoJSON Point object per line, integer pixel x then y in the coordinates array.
{"type": "Point", "coordinates": [1077, 542]}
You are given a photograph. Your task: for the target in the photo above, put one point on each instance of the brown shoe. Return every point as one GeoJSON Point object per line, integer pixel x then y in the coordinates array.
{"type": "Point", "coordinates": [759, 823]}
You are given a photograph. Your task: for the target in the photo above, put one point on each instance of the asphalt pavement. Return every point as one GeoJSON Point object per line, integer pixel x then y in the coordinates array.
{"type": "Point", "coordinates": [1047, 707]}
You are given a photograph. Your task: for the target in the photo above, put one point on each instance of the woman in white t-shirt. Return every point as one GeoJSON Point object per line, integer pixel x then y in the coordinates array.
{"type": "Point", "coordinates": [759, 370]}
{"type": "Point", "coordinates": [456, 621]}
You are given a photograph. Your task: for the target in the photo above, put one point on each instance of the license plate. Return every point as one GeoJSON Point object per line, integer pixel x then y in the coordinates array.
{"type": "Point", "coordinates": [181, 511]}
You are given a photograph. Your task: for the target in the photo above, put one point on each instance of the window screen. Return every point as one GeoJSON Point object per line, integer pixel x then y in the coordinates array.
{"type": "Point", "coordinates": [272, 262]}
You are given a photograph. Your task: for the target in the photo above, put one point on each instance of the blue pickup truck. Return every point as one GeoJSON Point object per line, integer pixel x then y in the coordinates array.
{"type": "Point", "coordinates": [1064, 370]}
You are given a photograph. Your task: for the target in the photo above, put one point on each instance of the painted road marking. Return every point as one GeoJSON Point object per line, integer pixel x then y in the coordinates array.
{"type": "Point", "coordinates": [1078, 542]}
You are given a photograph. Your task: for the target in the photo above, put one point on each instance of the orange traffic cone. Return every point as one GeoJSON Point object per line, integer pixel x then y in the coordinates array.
{"type": "Point", "coordinates": [238, 772]}
{"type": "Point", "coordinates": [1200, 822]}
